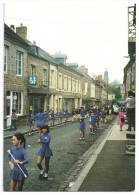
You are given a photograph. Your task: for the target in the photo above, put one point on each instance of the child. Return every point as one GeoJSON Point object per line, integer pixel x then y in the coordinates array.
{"type": "Point", "coordinates": [82, 128]}
{"type": "Point", "coordinates": [66, 115]}
{"type": "Point", "coordinates": [30, 125]}
{"type": "Point", "coordinates": [40, 119]}
{"type": "Point", "coordinates": [44, 152]}
{"type": "Point", "coordinates": [60, 116]}
{"type": "Point", "coordinates": [52, 118]}
{"type": "Point", "coordinates": [93, 120]}
{"type": "Point", "coordinates": [121, 118]}
{"type": "Point", "coordinates": [21, 158]}
{"type": "Point", "coordinates": [13, 120]}
{"type": "Point", "coordinates": [103, 117]}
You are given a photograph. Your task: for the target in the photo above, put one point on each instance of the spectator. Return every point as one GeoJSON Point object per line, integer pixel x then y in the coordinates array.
{"type": "Point", "coordinates": [130, 110]}
{"type": "Point", "coordinates": [121, 117]}
{"type": "Point", "coordinates": [13, 120]}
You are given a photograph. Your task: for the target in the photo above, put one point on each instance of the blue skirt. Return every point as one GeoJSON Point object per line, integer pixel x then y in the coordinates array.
{"type": "Point", "coordinates": [45, 152]}
{"type": "Point", "coordinates": [17, 175]}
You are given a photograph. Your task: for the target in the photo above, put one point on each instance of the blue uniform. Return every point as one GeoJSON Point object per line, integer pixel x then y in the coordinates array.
{"type": "Point", "coordinates": [103, 114]}
{"type": "Point", "coordinates": [41, 118]}
{"type": "Point", "coordinates": [30, 122]}
{"type": "Point", "coordinates": [21, 155]}
{"type": "Point", "coordinates": [93, 120]}
{"type": "Point", "coordinates": [66, 114]}
{"type": "Point", "coordinates": [82, 113]}
{"type": "Point", "coordinates": [60, 115]}
{"type": "Point", "coordinates": [82, 126]}
{"type": "Point", "coordinates": [45, 149]}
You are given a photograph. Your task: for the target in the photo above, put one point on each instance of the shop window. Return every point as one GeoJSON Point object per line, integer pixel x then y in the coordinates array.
{"type": "Point", "coordinates": [17, 101]}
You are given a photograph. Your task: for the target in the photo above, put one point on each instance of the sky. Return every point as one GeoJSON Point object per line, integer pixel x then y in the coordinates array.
{"type": "Point", "coordinates": [90, 33]}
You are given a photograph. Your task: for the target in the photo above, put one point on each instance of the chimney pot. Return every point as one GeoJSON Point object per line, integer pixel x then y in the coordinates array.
{"type": "Point", "coordinates": [22, 31]}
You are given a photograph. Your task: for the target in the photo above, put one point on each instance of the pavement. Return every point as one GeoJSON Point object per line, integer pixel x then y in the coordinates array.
{"type": "Point", "coordinates": [105, 166]}
{"type": "Point", "coordinates": [24, 130]}
{"type": "Point", "coordinates": [109, 168]}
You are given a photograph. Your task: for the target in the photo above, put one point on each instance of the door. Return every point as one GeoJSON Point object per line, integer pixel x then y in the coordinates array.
{"type": "Point", "coordinates": [36, 105]}
{"type": "Point", "coordinates": [8, 110]}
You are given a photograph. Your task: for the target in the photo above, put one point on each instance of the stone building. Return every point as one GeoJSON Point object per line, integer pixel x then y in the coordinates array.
{"type": "Point", "coordinates": [15, 75]}
{"type": "Point", "coordinates": [45, 82]}
{"type": "Point", "coordinates": [130, 68]}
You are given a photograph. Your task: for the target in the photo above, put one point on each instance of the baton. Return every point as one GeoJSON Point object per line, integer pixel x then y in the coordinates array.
{"type": "Point", "coordinates": [17, 164]}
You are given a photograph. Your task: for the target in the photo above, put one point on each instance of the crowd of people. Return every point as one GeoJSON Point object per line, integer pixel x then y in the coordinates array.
{"type": "Point", "coordinates": [17, 155]}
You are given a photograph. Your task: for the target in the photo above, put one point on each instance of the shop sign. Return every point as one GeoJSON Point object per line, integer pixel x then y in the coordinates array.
{"type": "Point", "coordinates": [32, 80]}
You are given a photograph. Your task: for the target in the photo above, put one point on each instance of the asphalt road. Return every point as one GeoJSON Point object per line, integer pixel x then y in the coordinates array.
{"type": "Point", "coordinates": [67, 149]}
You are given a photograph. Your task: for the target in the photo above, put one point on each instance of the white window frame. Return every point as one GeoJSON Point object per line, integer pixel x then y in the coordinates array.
{"type": "Point", "coordinates": [19, 63]}
{"type": "Point", "coordinates": [5, 58]}
{"type": "Point", "coordinates": [60, 81]}
{"type": "Point", "coordinates": [33, 70]}
{"type": "Point", "coordinates": [45, 77]}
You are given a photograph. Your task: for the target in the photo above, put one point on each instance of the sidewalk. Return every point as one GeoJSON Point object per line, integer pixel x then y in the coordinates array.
{"type": "Point", "coordinates": [23, 129]}
{"type": "Point", "coordinates": [109, 168]}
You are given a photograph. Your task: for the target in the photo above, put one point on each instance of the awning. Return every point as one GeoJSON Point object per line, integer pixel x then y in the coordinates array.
{"type": "Point", "coordinates": [40, 90]}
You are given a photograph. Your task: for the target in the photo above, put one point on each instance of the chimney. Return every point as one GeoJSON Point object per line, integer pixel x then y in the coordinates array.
{"type": "Point", "coordinates": [22, 31]}
{"type": "Point", "coordinates": [12, 27]}
{"type": "Point", "coordinates": [99, 77]}
{"type": "Point", "coordinates": [86, 71]}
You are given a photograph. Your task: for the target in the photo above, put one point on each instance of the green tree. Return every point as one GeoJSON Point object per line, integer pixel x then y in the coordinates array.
{"type": "Point", "coordinates": [115, 90]}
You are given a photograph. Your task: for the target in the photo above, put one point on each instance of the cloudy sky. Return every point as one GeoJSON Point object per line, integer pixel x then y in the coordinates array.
{"type": "Point", "coordinates": [90, 33]}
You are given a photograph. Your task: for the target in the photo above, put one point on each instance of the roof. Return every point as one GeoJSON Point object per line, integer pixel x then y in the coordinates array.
{"type": "Point", "coordinates": [11, 36]}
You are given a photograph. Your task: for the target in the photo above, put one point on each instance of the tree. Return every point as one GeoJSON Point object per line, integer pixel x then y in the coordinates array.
{"type": "Point", "coordinates": [116, 90]}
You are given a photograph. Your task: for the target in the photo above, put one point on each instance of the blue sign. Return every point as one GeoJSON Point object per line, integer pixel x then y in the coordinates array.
{"type": "Point", "coordinates": [32, 80]}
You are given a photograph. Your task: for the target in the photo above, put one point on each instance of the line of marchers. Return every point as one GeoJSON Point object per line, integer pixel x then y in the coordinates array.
{"type": "Point", "coordinates": [34, 79]}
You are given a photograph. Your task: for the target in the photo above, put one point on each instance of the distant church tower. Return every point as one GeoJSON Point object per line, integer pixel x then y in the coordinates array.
{"type": "Point", "coordinates": [106, 77]}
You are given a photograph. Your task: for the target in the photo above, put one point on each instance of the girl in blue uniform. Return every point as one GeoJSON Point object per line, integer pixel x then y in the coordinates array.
{"type": "Point", "coordinates": [93, 120]}
{"type": "Point", "coordinates": [44, 152]}
{"type": "Point", "coordinates": [66, 115]}
{"type": "Point", "coordinates": [30, 125]}
{"type": "Point", "coordinates": [21, 158]}
{"type": "Point", "coordinates": [40, 119]}
{"type": "Point", "coordinates": [60, 116]}
{"type": "Point", "coordinates": [52, 118]}
{"type": "Point", "coordinates": [82, 128]}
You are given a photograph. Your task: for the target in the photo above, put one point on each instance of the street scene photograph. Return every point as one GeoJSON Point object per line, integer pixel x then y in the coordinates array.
{"type": "Point", "coordinates": [68, 96]}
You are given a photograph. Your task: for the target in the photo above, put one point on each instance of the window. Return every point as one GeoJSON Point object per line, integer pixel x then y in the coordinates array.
{"type": "Point", "coordinates": [60, 81]}
{"type": "Point", "coordinates": [45, 77]}
{"type": "Point", "coordinates": [33, 70]}
{"type": "Point", "coordinates": [77, 89]}
{"type": "Point", "coordinates": [17, 101]}
{"type": "Point", "coordinates": [14, 101]}
{"type": "Point", "coordinates": [52, 78]}
{"type": "Point", "coordinates": [69, 83]}
{"type": "Point", "coordinates": [5, 58]}
{"type": "Point", "coordinates": [73, 85]}
{"type": "Point", "coordinates": [19, 57]}
{"type": "Point", "coordinates": [65, 82]}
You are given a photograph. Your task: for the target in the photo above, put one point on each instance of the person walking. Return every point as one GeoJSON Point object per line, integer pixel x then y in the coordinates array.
{"type": "Point", "coordinates": [103, 115]}
{"type": "Point", "coordinates": [130, 110]}
{"type": "Point", "coordinates": [60, 116]}
{"type": "Point", "coordinates": [40, 119]}
{"type": "Point", "coordinates": [44, 152]}
{"type": "Point", "coordinates": [52, 118]}
{"type": "Point", "coordinates": [30, 125]}
{"type": "Point", "coordinates": [82, 129]}
{"type": "Point", "coordinates": [13, 120]}
{"type": "Point", "coordinates": [20, 155]}
{"type": "Point", "coordinates": [121, 117]}
{"type": "Point", "coordinates": [66, 116]}
{"type": "Point", "coordinates": [92, 121]}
